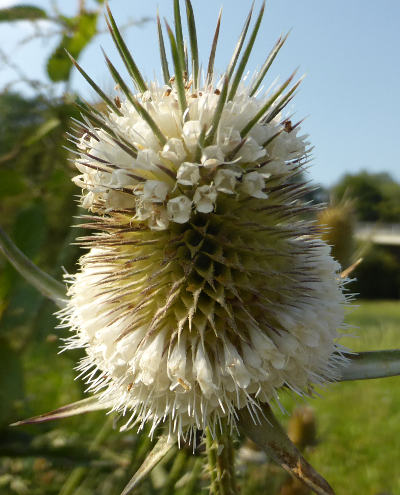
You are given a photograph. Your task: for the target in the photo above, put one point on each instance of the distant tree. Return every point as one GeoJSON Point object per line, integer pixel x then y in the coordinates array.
{"type": "Point", "coordinates": [376, 196]}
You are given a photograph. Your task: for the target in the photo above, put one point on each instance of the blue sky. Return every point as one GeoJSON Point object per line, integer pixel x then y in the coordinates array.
{"type": "Point", "coordinates": [348, 49]}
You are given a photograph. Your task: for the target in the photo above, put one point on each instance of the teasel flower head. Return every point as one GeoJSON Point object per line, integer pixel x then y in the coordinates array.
{"type": "Point", "coordinates": [206, 287]}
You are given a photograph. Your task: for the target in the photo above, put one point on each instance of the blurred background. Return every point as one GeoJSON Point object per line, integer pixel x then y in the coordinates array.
{"type": "Point", "coordinates": [349, 52]}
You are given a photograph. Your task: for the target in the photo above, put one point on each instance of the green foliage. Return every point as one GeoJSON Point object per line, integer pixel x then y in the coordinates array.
{"type": "Point", "coordinates": [22, 13]}
{"type": "Point", "coordinates": [377, 196]}
{"type": "Point", "coordinates": [79, 33]}
{"type": "Point", "coordinates": [36, 205]}
{"type": "Point", "coordinates": [11, 382]}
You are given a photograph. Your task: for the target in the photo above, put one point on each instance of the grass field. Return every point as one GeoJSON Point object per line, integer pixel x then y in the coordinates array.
{"type": "Point", "coordinates": [358, 448]}
{"type": "Point", "coordinates": [359, 422]}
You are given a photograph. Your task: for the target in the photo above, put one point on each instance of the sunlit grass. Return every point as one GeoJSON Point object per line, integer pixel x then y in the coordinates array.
{"type": "Point", "coordinates": [359, 422]}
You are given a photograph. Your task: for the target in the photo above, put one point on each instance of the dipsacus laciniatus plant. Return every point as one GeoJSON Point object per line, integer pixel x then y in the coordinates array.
{"type": "Point", "coordinates": [206, 287]}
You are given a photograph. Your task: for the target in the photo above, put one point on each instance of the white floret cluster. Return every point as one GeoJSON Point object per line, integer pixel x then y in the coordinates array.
{"type": "Point", "coordinates": [170, 181]}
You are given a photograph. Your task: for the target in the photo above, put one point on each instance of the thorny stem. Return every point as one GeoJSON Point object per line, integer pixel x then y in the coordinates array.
{"type": "Point", "coordinates": [221, 462]}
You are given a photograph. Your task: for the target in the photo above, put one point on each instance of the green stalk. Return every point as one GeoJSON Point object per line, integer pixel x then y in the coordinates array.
{"type": "Point", "coordinates": [221, 462]}
{"type": "Point", "coordinates": [42, 281]}
{"type": "Point", "coordinates": [75, 478]}
{"type": "Point", "coordinates": [175, 473]}
{"type": "Point", "coordinates": [191, 485]}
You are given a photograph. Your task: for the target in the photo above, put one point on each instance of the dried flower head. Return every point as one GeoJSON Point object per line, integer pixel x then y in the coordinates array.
{"type": "Point", "coordinates": [206, 288]}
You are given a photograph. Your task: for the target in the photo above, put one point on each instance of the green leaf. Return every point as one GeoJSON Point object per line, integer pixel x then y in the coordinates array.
{"type": "Point", "coordinates": [374, 364]}
{"type": "Point", "coordinates": [11, 381]}
{"type": "Point", "coordinates": [268, 434]}
{"type": "Point", "coordinates": [42, 131]}
{"type": "Point", "coordinates": [80, 407]}
{"type": "Point", "coordinates": [11, 183]}
{"type": "Point", "coordinates": [22, 13]}
{"type": "Point", "coordinates": [43, 282]}
{"type": "Point", "coordinates": [161, 448]}
{"type": "Point", "coordinates": [58, 65]}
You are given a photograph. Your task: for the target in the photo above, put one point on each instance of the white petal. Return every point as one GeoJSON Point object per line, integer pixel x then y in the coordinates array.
{"type": "Point", "coordinates": [204, 199]}
{"type": "Point", "coordinates": [155, 191]}
{"type": "Point", "coordinates": [179, 209]}
{"type": "Point", "coordinates": [188, 174]}
{"type": "Point", "coordinates": [225, 180]}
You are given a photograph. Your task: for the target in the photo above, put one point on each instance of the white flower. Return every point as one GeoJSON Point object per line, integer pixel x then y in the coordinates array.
{"type": "Point", "coordinates": [179, 209]}
{"type": "Point", "coordinates": [212, 156]}
{"type": "Point", "coordinates": [253, 184]}
{"type": "Point", "coordinates": [155, 191]}
{"type": "Point", "coordinates": [174, 151]}
{"type": "Point", "coordinates": [188, 174]}
{"type": "Point", "coordinates": [225, 180]}
{"type": "Point", "coordinates": [192, 305]}
{"type": "Point", "coordinates": [158, 219]}
{"type": "Point", "coordinates": [191, 132]}
{"type": "Point", "coordinates": [204, 198]}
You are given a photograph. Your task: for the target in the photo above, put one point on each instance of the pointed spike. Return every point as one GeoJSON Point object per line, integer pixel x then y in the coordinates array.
{"type": "Point", "coordinates": [161, 448]}
{"type": "Point", "coordinates": [80, 407]}
{"type": "Point", "coordinates": [186, 58]}
{"type": "Point", "coordinates": [266, 106]}
{"type": "Point", "coordinates": [236, 53]}
{"type": "Point", "coordinates": [246, 54]}
{"type": "Point", "coordinates": [211, 61]}
{"type": "Point", "coordinates": [200, 144]}
{"type": "Point", "coordinates": [193, 42]}
{"type": "Point", "coordinates": [43, 282]}
{"type": "Point", "coordinates": [163, 55]}
{"type": "Point", "coordinates": [180, 85]}
{"type": "Point", "coordinates": [117, 77]}
{"type": "Point", "coordinates": [269, 140]}
{"type": "Point", "coordinates": [179, 33]}
{"type": "Point", "coordinates": [119, 140]}
{"type": "Point", "coordinates": [138, 107]}
{"type": "Point", "coordinates": [218, 112]}
{"type": "Point", "coordinates": [102, 95]}
{"type": "Point", "coordinates": [285, 100]}
{"type": "Point", "coordinates": [271, 438]}
{"type": "Point", "coordinates": [124, 52]}
{"type": "Point", "coordinates": [267, 64]}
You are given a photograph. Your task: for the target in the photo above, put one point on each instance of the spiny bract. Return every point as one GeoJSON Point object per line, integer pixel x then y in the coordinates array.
{"type": "Point", "coordinates": [206, 288]}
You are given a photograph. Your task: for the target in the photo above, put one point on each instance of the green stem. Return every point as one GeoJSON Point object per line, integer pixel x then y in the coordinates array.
{"type": "Point", "coordinates": [191, 486]}
{"type": "Point", "coordinates": [176, 471]}
{"type": "Point", "coordinates": [221, 462]}
{"type": "Point", "coordinates": [211, 449]}
{"type": "Point", "coordinates": [74, 479]}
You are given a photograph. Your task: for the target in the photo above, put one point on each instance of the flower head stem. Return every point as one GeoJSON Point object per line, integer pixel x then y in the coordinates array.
{"type": "Point", "coordinates": [221, 462]}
